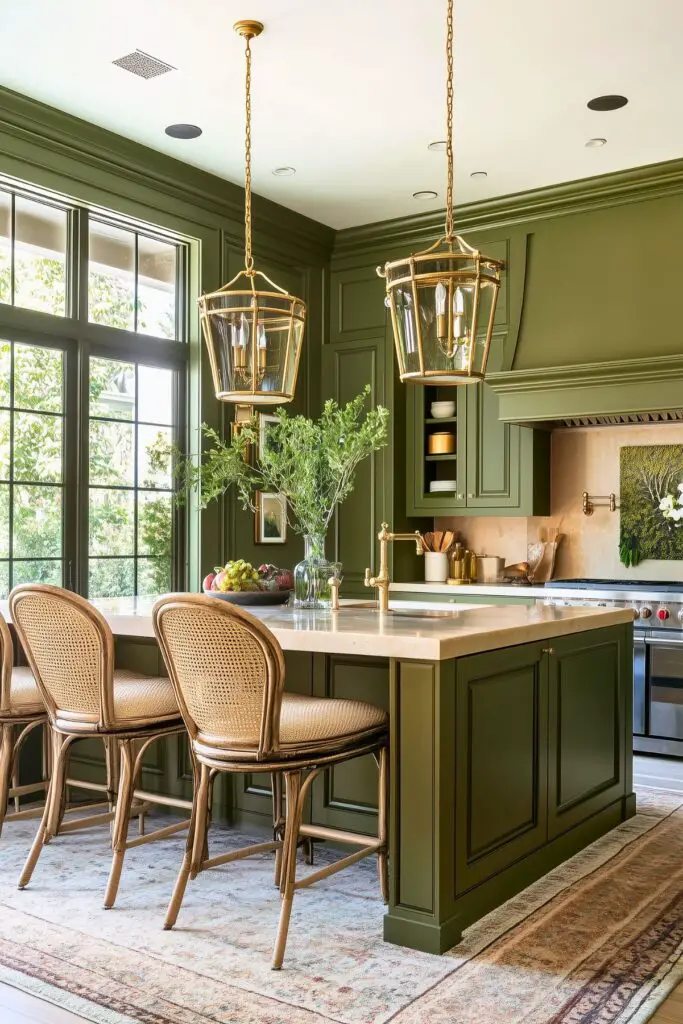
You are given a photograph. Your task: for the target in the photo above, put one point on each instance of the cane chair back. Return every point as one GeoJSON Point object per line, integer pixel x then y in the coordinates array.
{"type": "Point", "coordinates": [70, 649]}
{"type": "Point", "coordinates": [228, 672]}
{"type": "Point", "coordinates": [6, 662]}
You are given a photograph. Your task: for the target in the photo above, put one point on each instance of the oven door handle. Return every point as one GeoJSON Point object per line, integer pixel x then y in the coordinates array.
{"type": "Point", "coordinates": [656, 642]}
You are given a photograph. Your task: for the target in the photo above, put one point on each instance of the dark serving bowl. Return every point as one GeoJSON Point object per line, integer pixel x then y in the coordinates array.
{"type": "Point", "coordinates": [251, 596]}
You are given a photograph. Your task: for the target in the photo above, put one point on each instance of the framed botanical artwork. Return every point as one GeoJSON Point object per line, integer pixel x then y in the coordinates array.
{"type": "Point", "coordinates": [271, 509]}
{"type": "Point", "coordinates": [266, 420]}
{"type": "Point", "coordinates": [271, 518]}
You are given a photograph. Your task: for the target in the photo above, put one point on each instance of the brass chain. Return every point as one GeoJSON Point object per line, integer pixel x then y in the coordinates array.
{"type": "Point", "coordinates": [449, 119]}
{"type": "Point", "coordinates": [248, 257]}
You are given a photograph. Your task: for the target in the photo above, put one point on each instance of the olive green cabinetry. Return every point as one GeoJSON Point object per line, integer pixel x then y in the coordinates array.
{"type": "Point", "coordinates": [498, 468]}
{"type": "Point", "coordinates": [503, 764]}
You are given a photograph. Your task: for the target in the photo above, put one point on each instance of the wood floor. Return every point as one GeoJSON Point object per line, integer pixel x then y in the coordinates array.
{"type": "Point", "coordinates": [18, 1008]}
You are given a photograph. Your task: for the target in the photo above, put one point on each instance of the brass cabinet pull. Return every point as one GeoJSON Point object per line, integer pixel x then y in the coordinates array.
{"type": "Point", "coordinates": [548, 650]}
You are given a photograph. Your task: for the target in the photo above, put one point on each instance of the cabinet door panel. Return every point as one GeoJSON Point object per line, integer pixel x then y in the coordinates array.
{"type": "Point", "coordinates": [346, 795]}
{"type": "Point", "coordinates": [586, 747]}
{"type": "Point", "coordinates": [501, 751]}
{"type": "Point", "coordinates": [492, 447]}
{"type": "Point", "coordinates": [357, 520]}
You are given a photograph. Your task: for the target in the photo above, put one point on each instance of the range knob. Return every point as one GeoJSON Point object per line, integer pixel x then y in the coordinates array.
{"type": "Point", "coordinates": [662, 614]}
{"type": "Point", "coordinates": [645, 612]}
{"type": "Point", "coordinates": [680, 615]}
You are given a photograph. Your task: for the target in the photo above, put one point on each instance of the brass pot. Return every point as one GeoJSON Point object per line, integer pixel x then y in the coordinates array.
{"type": "Point", "coordinates": [441, 443]}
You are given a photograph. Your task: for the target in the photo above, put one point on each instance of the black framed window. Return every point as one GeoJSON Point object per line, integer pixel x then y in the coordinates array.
{"type": "Point", "coordinates": [130, 535]}
{"type": "Point", "coordinates": [32, 471]}
{"type": "Point", "coordinates": [134, 280]}
{"type": "Point", "coordinates": [84, 395]}
{"type": "Point", "coordinates": [33, 253]}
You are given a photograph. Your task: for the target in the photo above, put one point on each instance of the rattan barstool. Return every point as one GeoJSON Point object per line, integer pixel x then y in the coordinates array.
{"type": "Point", "coordinates": [22, 710]}
{"type": "Point", "coordinates": [228, 671]}
{"type": "Point", "coordinates": [70, 649]}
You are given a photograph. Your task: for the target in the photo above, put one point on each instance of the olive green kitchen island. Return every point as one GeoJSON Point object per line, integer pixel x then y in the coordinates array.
{"type": "Point", "coordinates": [511, 742]}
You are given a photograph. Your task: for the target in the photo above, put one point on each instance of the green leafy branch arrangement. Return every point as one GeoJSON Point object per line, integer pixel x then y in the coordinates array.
{"type": "Point", "coordinates": [311, 462]}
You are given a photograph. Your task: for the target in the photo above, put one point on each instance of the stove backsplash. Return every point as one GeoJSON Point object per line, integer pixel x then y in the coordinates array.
{"type": "Point", "coordinates": [582, 459]}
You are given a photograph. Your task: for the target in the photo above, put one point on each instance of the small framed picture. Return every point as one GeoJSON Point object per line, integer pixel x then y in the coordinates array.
{"type": "Point", "coordinates": [271, 518]}
{"type": "Point", "coordinates": [265, 422]}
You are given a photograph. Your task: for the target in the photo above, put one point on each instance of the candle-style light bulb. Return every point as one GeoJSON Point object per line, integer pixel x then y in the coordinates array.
{"type": "Point", "coordinates": [240, 338]}
{"type": "Point", "coordinates": [440, 299]}
{"type": "Point", "coordinates": [262, 347]}
{"type": "Point", "coordinates": [459, 313]}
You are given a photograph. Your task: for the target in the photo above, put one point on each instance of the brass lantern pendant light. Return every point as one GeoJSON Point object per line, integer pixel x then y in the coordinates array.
{"type": "Point", "coordinates": [253, 334]}
{"type": "Point", "coordinates": [443, 300]}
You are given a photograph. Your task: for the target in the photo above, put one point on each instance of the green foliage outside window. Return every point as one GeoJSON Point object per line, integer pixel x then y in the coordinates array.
{"type": "Point", "coordinates": [37, 510]}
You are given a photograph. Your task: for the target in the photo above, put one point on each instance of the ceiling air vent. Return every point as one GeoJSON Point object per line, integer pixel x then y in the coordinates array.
{"type": "Point", "coordinates": [142, 65]}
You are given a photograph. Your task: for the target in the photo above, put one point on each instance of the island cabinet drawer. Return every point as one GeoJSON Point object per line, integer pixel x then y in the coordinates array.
{"type": "Point", "coordinates": [589, 724]}
{"type": "Point", "coordinates": [501, 749]}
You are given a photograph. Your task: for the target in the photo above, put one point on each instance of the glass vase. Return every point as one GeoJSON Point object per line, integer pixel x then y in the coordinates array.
{"type": "Point", "coordinates": [312, 575]}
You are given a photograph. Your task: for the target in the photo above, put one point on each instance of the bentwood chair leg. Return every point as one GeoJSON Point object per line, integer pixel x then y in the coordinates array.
{"type": "Point", "coordinates": [196, 841]}
{"type": "Point", "coordinates": [383, 807]}
{"type": "Point", "coordinates": [278, 823]}
{"type": "Point", "coordinates": [53, 802]}
{"type": "Point", "coordinates": [6, 758]}
{"type": "Point", "coordinates": [294, 808]}
{"type": "Point", "coordinates": [121, 819]}
{"type": "Point", "coordinates": [15, 783]}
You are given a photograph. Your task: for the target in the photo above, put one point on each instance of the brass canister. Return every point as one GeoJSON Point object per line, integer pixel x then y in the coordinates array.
{"type": "Point", "coordinates": [441, 443]}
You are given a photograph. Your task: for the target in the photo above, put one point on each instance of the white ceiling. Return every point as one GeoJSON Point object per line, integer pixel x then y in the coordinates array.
{"type": "Point", "coordinates": [351, 92]}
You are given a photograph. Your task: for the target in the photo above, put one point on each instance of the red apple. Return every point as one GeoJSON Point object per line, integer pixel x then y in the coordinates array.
{"type": "Point", "coordinates": [207, 583]}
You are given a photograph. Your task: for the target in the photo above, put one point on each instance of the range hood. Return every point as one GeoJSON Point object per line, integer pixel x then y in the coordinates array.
{"type": "Point", "coordinates": [613, 393]}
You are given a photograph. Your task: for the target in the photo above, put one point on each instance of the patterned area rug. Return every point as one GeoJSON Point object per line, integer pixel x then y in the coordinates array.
{"type": "Point", "coordinates": [598, 941]}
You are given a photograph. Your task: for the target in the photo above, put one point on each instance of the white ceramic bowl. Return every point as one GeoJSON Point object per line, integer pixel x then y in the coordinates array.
{"type": "Point", "coordinates": [442, 410]}
{"type": "Point", "coordinates": [443, 485]}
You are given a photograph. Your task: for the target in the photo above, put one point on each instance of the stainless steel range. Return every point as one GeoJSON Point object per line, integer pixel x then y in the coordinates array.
{"type": "Point", "coordinates": [657, 657]}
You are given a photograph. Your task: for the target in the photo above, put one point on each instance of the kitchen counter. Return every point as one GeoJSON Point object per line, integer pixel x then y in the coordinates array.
{"type": "Point", "coordinates": [510, 741]}
{"type": "Point", "coordinates": [358, 628]}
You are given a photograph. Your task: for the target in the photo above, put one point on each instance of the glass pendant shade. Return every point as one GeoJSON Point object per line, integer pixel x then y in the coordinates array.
{"type": "Point", "coordinates": [442, 304]}
{"type": "Point", "coordinates": [254, 341]}
{"type": "Point", "coordinates": [253, 334]}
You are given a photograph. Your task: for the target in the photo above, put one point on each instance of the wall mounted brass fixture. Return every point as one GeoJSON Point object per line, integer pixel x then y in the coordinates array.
{"type": "Point", "coordinates": [593, 501]}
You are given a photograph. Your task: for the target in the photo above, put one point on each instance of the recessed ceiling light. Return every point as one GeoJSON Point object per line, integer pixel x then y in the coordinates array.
{"type": "Point", "coordinates": [183, 131]}
{"type": "Point", "coordinates": [425, 193]}
{"type": "Point", "coordinates": [607, 102]}
{"type": "Point", "coordinates": [438, 147]}
{"type": "Point", "coordinates": [284, 172]}
{"type": "Point", "coordinates": [595, 143]}
{"type": "Point", "coordinates": [479, 174]}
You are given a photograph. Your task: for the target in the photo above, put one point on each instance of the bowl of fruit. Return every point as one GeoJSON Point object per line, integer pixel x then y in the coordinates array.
{"type": "Point", "coordinates": [241, 583]}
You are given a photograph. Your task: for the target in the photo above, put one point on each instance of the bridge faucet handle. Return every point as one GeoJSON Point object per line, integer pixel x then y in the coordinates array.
{"type": "Point", "coordinates": [368, 577]}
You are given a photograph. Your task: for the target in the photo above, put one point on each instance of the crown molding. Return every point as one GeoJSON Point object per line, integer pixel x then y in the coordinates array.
{"type": "Point", "coordinates": [27, 124]}
{"type": "Point", "coordinates": [651, 181]}
{"type": "Point", "coordinates": [591, 389]}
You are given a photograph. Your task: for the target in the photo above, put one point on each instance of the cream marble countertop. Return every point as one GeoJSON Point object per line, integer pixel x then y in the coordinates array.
{"type": "Point", "coordinates": [446, 590]}
{"type": "Point", "coordinates": [358, 628]}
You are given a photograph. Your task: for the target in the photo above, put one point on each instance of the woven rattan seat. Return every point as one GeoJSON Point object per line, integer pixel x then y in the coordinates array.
{"type": "Point", "coordinates": [228, 671]}
{"type": "Point", "coordinates": [143, 698]}
{"type": "Point", "coordinates": [24, 695]}
{"type": "Point", "coordinates": [308, 721]}
{"type": "Point", "coordinates": [70, 649]}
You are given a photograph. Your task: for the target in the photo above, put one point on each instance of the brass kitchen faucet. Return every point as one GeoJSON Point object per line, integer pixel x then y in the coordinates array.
{"type": "Point", "coordinates": [382, 580]}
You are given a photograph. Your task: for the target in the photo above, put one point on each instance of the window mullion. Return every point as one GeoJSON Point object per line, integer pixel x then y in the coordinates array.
{"type": "Point", "coordinates": [12, 225]}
